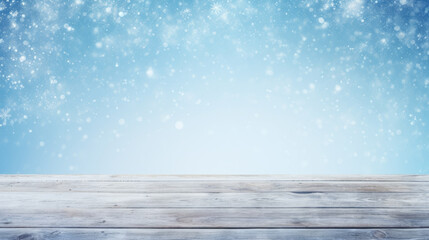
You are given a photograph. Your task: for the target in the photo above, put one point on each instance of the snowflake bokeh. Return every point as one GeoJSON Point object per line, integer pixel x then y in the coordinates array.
{"type": "Point", "coordinates": [226, 86]}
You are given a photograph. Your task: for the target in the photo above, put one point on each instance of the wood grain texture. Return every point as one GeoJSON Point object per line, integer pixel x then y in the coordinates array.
{"type": "Point", "coordinates": [220, 186]}
{"type": "Point", "coordinates": [213, 207]}
{"type": "Point", "coordinates": [215, 218]}
{"type": "Point", "coordinates": [45, 200]}
{"type": "Point", "coordinates": [218, 234]}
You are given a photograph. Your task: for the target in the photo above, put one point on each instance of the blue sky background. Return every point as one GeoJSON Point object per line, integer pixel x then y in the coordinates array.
{"type": "Point", "coordinates": [223, 87]}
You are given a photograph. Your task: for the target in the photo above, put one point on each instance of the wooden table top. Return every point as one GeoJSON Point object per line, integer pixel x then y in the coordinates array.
{"type": "Point", "coordinates": [214, 207]}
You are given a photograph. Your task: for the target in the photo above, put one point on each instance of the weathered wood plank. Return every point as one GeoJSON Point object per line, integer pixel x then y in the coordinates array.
{"type": "Point", "coordinates": [45, 200]}
{"type": "Point", "coordinates": [213, 207]}
{"type": "Point", "coordinates": [216, 218]}
{"type": "Point", "coordinates": [213, 234]}
{"type": "Point", "coordinates": [137, 178]}
{"type": "Point", "coordinates": [214, 186]}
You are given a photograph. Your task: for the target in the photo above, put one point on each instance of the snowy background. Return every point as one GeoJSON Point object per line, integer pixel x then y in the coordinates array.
{"type": "Point", "coordinates": [223, 87]}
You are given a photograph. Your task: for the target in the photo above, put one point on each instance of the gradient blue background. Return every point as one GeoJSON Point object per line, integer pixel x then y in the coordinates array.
{"type": "Point", "coordinates": [214, 87]}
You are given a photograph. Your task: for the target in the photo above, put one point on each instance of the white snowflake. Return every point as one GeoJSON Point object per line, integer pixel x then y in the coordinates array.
{"type": "Point", "coordinates": [150, 72]}
{"type": "Point", "coordinates": [354, 8]}
{"type": "Point", "coordinates": [179, 125]}
{"type": "Point", "coordinates": [4, 116]}
{"type": "Point", "coordinates": [186, 11]}
{"type": "Point", "coordinates": [216, 8]}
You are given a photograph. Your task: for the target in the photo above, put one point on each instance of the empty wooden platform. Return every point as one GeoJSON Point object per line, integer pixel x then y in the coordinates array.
{"type": "Point", "coordinates": [34, 207]}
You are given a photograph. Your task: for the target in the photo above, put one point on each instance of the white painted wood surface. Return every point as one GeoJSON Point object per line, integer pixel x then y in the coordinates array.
{"type": "Point", "coordinates": [214, 207]}
{"type": "Point", "coordinates": [218, 234]}
{"type": "Point", "coordinates": [213, 186]}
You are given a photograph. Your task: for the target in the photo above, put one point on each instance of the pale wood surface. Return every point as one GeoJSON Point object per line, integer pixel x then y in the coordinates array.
{"type": "Point", "coordinates": [212, 186]}
{"type": "Point", "coordinates": [218, 234]}
{"type": "Point", "coordinates": [214, 207]}
{"type": "Point", "coordinates": [215, 200]}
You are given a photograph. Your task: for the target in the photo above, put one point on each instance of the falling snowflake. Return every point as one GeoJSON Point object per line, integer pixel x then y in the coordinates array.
{"type": "Point", "coordinates": [4, 116]}
{"type": "Point", "coordinates": [353, 8]}
{"type": "Point", "coordinates": [179, 125]}
{"type": "Point", "coordinates": [186, 13]}
{"type": "Point", "coordinates": [216, 8]}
